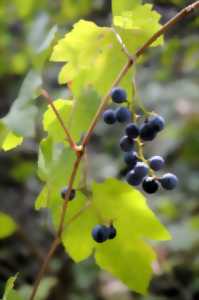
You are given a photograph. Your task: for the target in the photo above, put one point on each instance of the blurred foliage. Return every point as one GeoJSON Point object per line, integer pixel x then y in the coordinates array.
{"type": "Point", "coordinates": [167, 83]}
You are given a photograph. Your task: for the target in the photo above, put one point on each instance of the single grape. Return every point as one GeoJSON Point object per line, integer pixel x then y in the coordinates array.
{"type": "Point", "coordinates": [130, 159]}
{"type": "Point", "coordinates": [109, 116]}
{"type": "Point", "coordinates": [150, 185]}
{"type": "Point", "coordinates": [118, 95]}
{"type": "Point", "coordinates": [100, 233]}
{"type": "Point", "coordinates": [147, 132]}
{"type": "Point", "coordinates": [141, 170]}
{"type": "Point", "coordinates": [112, 232]}
{"type": "Point", "coordinates": [64, 192]}
{"type": "Point", "coordinates": [123, 115]}
{"type": "Point", "coordinates": [157, 123]}
{"type": "Point", "coordinates": [132, 130]}
{"type": "Point", "coordinates": [156, 163]}
{"type": "Point", "coordinates": [133, 179]}
{"type": "Point", "coordinates": [169, 181]}
{"type": "Point", "coordinates": [126, 144]}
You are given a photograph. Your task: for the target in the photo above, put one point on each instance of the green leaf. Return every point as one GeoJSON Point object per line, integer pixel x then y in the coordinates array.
{"type": "Point", "coordinates": [78, 232]}
{"type": "Point", "coordinates": [7, 225]}
{"type": "Point", "coordinates": [133, 26]}
{"type": "Point", "coordinates": [97, 63]}
{"type": "Point", "coordinates": [10, 293]}
{"type": "Point", "coordinates": [11, 141]}
{"type": "Point", "coordinates": [127, 208]}
{"type": "Point", "coordinates": [77, 114]}
{"type": "Point", "coordinates": [21, 116]}
{"type": "Point", "coordinates": [117, 202]}
{"type": "Point", "coordinates": [9, 286]}
{"type": "Point", "coordinates": [124, 204]}
{"type": "Point", "coordinates": [50, 122]}
{"type": "Point", "coordinates": [130, 261]}
{"type": "Point", "coordinates": [85, 106]}
{"type": "Point", "coordinates": [55, 165]}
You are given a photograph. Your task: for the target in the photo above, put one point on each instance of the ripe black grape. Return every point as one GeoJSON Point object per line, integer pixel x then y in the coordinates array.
{"type": "Point", "coordinates": [150, 185]}
{"type": "Point", "coordinates": [132, 130]}
{"type": "Point", "coordinates": [157, 123]}
{"type": "Point", "coordinates": [156, 163]}
{"type": "Point", "coordinates": [126, 144]}
{"type": "Point", "coordinates": [100, 233]}
{"type": "Point", "coordinates": [130, 159]}
{"type": "Point", "coordinates": [169, 181]}
{"type": "Point", "coordinates": [141, 170]}
{"type": "Point", "coordinates": [64, 192]}
{"type": "Point", "coordinates": [118, 95]}
{"type": "Point", "coordinates": [133, 179]}
{"type": "Point", "coordinates": [123, 115]}
{"type": "Point", "coordinates": [111, 232]}
{"type": "Point", "coordinates": [109, 116]}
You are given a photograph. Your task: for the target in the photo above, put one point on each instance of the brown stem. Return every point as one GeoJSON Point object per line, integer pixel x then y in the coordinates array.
{"type": "Point", "coordinates": [80, 151]}
{"type": "Point", "coordinates": [52, 250]}
{"type": "Point", "coordinates": [48, 98]}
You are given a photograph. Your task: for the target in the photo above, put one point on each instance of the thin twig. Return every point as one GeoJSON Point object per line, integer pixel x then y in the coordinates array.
{"type": "Point", "coordinates": [48, 98]}
{"type": "Point", "coordinates": [86, 140]}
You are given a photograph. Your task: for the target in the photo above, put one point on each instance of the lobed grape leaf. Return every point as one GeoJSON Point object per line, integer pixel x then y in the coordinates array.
{"type": "Point", "coordinates": [7, 226]}
{"type": "Point", "coordinates": [95, 63]}
{"type": "Point", "coordinates": [117, 202]}
{"type": "Point", "coordinates": [133, 26]}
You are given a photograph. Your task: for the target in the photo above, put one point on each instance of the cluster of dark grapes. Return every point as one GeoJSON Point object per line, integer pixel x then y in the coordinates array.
{"type": "Point", "coordinates": [141, 171]}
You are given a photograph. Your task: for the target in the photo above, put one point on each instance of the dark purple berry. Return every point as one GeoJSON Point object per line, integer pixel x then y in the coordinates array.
{"type": "Point", "coordinates": [132, 131]}
{"type": "Point", "coordinates": [133, 179]}
{"type": "Point", "coordinates": [109, 117]}
{"type": "Point", "coordinates": [64, 192]}
{"type": "Point", "coordinates": [156, 163]}
{"type": "Point", "coordinates": [157, 123]}
{"type": "Point", "coordinates": [118, 95]}
{"type": "Point", "coordinates": [100, 233]}
{"type": "Point", "coordinates": [111, 232]}
{"type": "Point", "coordinates": [141, 170]}
{"type": "Point", "coordinates": [130, 159]}
{"type": "Point", "coordinates": [147, 132]}
{"type": "Point", "coordinates": [169, 181]}
{"type": "Point", "coordinates": [150, 185]}
{"type": "Point", "coordinates": [123, 115]}
{"type": "Point", "coordinates": [126, 144]}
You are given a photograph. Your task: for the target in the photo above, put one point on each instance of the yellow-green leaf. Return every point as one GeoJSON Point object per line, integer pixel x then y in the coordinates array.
{"type": "Point", "coordinates": [11, 141]}
{"type": "Point", "coordinates": [7, 225]}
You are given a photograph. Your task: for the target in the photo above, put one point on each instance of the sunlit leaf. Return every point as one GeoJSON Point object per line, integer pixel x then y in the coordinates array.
{"type": "Point", "coordinates": [7, 225]}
